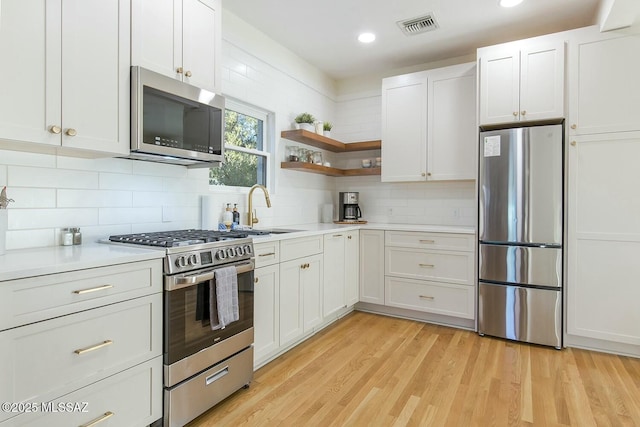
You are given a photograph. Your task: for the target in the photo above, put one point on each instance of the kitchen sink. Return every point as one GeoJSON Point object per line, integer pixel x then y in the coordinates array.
{"type": "Point", "coordinates": [257, 232]}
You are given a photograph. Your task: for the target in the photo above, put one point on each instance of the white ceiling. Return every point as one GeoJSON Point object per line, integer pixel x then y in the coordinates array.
{"type": "Point", "coordinates": [324, 33]}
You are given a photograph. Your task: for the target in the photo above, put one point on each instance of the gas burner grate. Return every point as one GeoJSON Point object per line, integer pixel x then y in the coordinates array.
{"type": "Point", "coordinates": [169, 239]}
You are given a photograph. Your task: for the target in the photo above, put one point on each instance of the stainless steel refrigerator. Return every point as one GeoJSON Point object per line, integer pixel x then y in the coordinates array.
{"type": "Point", "coordinates": [520, 262]}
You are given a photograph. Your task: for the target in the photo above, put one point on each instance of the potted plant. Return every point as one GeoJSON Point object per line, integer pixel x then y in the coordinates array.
{"type": "Point", "coordinates": [305, 121]}
{"type": "Point", "coordinates": [327, 129]}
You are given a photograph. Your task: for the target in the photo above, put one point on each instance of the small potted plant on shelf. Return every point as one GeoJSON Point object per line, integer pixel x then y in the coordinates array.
{"type": "Point", "coordinates": [327, 129]}
{"type": "Point", "coordinates": [305, 121]}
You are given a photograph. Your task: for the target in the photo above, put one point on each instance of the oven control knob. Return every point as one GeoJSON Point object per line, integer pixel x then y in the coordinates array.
{"type": "Point", "coordinates": [181, 262]}
{"type": "Point", "coordinates": [193, 259]}
{"type": "Point", "coordinates": [231, 253]}
{"type": "Point", "coordinates": [221, 254]}
{"type": "Point", "coordinates": [247, 249]}
{"type": "Point", "coordinates": [239, 251]}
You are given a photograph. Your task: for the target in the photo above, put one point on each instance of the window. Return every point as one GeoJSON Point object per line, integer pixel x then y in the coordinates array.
{"type": "Point", "coordinates": [246, 148]}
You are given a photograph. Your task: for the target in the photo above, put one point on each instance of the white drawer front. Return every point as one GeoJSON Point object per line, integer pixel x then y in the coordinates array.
{"type": "Point", "coordinates": [133, 397]}
{"type": "Point", "coordinates": [42, 360]}
{"type": "Point", "coordinates": [432, 297]}
{"type": "Point", "coordinates": [39, 298]}
{"type": "Point", "coordinates": [301, 247]}
{"type": "Point", "coordinates": [454, 267]}
{"type": "Point", "coordinates": [267, 253]}
{"type": "Point", "coordinates": [441, 241]}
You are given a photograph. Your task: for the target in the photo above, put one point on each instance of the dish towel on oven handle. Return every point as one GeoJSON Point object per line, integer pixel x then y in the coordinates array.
{"type": "Point", "coordinates": [223, 298]}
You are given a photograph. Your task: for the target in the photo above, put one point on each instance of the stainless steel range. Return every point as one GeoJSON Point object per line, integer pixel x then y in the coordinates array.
{"type": "Point", "coordinates": [201, 366]}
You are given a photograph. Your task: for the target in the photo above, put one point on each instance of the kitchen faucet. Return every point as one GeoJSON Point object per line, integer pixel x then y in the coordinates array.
{"type": "Point", "coordinates": [253, 218]}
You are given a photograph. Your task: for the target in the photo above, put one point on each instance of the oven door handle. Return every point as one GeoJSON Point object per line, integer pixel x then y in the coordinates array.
{"type": "Point", "coordinates": [191, 280]}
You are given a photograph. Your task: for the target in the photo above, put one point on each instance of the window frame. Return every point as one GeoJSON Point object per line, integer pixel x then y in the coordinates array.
{"type": "Point", "coordinates": [267, 143]}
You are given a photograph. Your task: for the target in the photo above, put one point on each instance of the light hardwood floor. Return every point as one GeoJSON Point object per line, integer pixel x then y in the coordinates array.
{"type": "Point", "coordinates": [370, 370]}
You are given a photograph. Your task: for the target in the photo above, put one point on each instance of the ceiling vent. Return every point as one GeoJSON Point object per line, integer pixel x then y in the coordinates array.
{"type": "Point", "coordinates": [414, 26]}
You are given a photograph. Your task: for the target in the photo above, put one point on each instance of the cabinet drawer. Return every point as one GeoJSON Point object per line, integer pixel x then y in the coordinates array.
{"type": "Point", "coordinates": [432, 297]}
{"type": "Point", "coordinates": [301, 247]}
{"type": "Point", "coordinates": [442, 241]}
{"type": "Point", "coordinates": [45, 360]}
{"type": "Point", "coordinates": [267, 253]}
{"type": "Point", "coordinates": [39, 298]}
{"type": "Point", "coordinates": [454, 267]}
{"type": "Point", "coordinates": [133, 396]}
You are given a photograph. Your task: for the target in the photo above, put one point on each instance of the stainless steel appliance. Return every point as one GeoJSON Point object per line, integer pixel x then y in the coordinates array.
{"type": "Point", "coordinates": [520, 234]}
{"type": "Point", "coordinates": [349, 209]}
{"type": "Point", "coordinates": [174, 122]}
{"type": "Point", "coordinates": [201, 366]}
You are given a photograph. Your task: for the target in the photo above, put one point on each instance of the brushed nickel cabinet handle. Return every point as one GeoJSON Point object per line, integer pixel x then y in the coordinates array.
{"type": "Point", "coordinates": [97, 288]}
{"type": "Point", "coordinates": [98, 420]}
{"type": "Point", "coordinates": [93, 348]}
{"type": "Point", "coordinates": [71, 132]}
{"type": "Point", "coordinates": [55, 129]}
{"type": "Point", "coordinates": [267, 254]}
{"type": "Point", "coordinates": [427, 241]}
{"type": "Point", "coordinates": [430, 298]}
{"type": "Point", "coordinates": [426, 265]}
{"type": "Point", "coordinates": [188, 74]}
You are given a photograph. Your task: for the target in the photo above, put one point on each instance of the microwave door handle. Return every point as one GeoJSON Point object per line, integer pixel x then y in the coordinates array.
{"type": "Point", "coordinates": [183, 282]}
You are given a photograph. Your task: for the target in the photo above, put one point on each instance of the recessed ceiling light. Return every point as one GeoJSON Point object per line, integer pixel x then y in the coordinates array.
{"type": "Point", "coordinates": [510, 3]}
{"type": "Point", "coordinates": [366, 37]}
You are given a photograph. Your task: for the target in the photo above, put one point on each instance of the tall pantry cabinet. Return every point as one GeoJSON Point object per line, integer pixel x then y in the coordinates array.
{"type": "Point", "coordinates": [603, 200]}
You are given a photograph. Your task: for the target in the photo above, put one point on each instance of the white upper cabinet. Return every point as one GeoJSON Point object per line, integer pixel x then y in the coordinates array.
{"type": "Point", "coordinates": [178, 38]}
{"type": "Point", "coordinates": [521, 82]}
{"type": "Point", "coordinates": [404, 128]}
{"type": "Point", "coordinates": [429, 125]}
{"type": "Point", "coordinates": [452, 132]}
{"type": "Point", "coordinates": [65, 79]}
{"type": "Point", "coordinates": [604, 85]}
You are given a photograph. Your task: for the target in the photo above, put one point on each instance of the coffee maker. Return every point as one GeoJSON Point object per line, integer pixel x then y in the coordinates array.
{"type": "Point", "coordinates": [349, 209]}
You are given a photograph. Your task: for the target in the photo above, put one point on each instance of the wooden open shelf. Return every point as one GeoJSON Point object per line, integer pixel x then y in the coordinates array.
{"type": "Point", "coordinates": [324, 170]}
{"type": "Point", "coordinates": [324, 143]}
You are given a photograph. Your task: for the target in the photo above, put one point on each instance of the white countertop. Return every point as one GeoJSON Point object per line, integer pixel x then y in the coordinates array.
{"type": "Point", "coordinates": [303, 230]}
{"type": "Point", "coordinates": [21, 263]}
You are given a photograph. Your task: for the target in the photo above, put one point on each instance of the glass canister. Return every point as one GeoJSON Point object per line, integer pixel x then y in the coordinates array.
{"type": "Point", "coordinates": [293, 153]}
{"type": "Point", "coordinates": [317, 157]}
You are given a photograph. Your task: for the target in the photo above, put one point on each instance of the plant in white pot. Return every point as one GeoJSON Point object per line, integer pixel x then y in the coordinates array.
{"type": "Point", "coordinates": [327, 129]}
{"type": "Point", "coordinates": [305, 121]}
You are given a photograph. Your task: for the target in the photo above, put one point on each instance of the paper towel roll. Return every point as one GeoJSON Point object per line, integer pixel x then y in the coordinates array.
{"type": "Point", "coordinates": [210, 213]}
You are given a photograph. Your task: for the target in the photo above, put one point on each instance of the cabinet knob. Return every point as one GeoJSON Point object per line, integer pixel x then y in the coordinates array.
{"type": "Point", "coordinates": [515, 114]}
{"type": "Point", "coordinates": [179, 70]}
{"type": "Point", "coordinates": [428, 173]}
{"type": "Point", "coordinates": [349, 237]}
{"type": "Point", "coordinates": [71, 132]}
{"type": "Point", "coordinates": [55, 129]}
{"type": "Point", "coordinates": [523, 112]}
{"type": "Point", "coordinates": [255, 280]}
{"type": "Point", "coordinates": [573, 126]}
{"type": "Point", "coordinates": [573, 143]}
{"type": "Point", "coordinates": [423, 174]}
{"type": "Point", "coordinates": [188, 74]}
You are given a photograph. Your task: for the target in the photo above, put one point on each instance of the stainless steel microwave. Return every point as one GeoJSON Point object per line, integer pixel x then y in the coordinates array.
{"type": "Point", "coordinates": [175, 122]}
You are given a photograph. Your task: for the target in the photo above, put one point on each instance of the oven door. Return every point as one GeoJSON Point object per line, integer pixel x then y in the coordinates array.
{"type": "Point", "coordinates": [188, 330]}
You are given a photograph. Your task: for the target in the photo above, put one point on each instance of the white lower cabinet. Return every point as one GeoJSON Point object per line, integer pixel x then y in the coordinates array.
{"type": "Point", "coordinates": [266, 310]}
{"type": "Point", "coordinates": [372, 266]}
{"type": "Point", "coordinates": [103, 347]}
{"type": "Point", "coordinates": [424, 275]}
{"type": "Point", "coordinates": [341, 271]}
{"type": "Point", "coordinates": [130, 398]}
